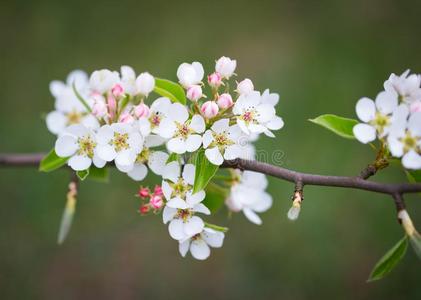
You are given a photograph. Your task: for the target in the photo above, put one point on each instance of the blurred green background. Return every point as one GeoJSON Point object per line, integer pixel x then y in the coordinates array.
{"type": "Point", "coordinates": [321, 56]}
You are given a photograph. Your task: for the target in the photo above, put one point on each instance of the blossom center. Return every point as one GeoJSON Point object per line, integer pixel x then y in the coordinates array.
{"type": "Point", "coordinates": [120, 141]}
{"type": "Point", "coordinates": [380, 122]}
{"type": "Point", "coordinates": [143, 156]}
{"type": "Point", "coordinates": [180, 188]}
{"type": "Point", "coordinates": [86, 146]}
{"type": "Point", "coordinates": [249, 116]}
{"type": "Point", "coordinates": [409, 142]}
{"type": "Point", "coordinates": [155, 120]}
{"type": "Point", "coordinates": [221, 140]}
{"type": "Point", "coordinates": [184, 214]}
{"type": "Point", "coordinates": [74, 117]}
{"type": "Point", "coordinates": [183, 130]}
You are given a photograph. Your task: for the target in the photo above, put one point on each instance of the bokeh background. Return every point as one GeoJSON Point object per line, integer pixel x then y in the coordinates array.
{"type": "Point", "coordinates": [321, 56]}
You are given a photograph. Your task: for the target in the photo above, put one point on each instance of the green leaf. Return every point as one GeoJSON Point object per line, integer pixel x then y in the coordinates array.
{"type": "Point", "coordinates": [82, 174]}
{"type": "Point", "coordinates": [339, 125]}
{"type": "Point", "coordinates": [173, 157]}
{"type": "Point", "coordinates": [171, 90]}
{"type": "Point", "coordinates": [67, 218]}
{"type": "Point", "coordinates": [216, 227]}
{"type": "Point", "coordinates": [413, 176]}
{"type": "Point", "coordinates": [205, 170]}
{"type": "Point", "coordinates": [99, 174]}
{"type": "Point", "coordinates": [389, 261]}
{"type": "Point", "coordinates": [80, 98]}
{"type": "Point", "coordinates": [215, 197]}
{"type": "Point", "coordinates": [51, 162]}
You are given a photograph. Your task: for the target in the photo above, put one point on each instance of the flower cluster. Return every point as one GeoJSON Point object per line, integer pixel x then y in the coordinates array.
{"type": "Point", "coordinates": [109, 117]}
{"type": "Point", "coordinates": [394, 118]}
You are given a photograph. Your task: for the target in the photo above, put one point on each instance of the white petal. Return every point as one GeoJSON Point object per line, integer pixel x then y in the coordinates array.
{"type": "Point", "coordinates": [135, 141]}
{"type": "Point", "coordinates": [213, 238]}
{"type": "Point", "coordinates": [232, 152]}
{"type": "Point", "coordinates": [414, 124]}
{"type": "Point", "coordinates": [106, 152]}
{"type": "Point", "coordinates": [166, 189]}
{"type": "Point", "coordinates": [201, 208]}
{"type": "Point", "coordinates": [193, 142]}
{"type": "Point", "coordinates": [98, 162]}
{"type": "Point", "coordinates": [125, 158]}
{"type": "Point", "coordinates": [198, 124]}
{"type": "Point", "coordinates": [193, 226]}
{"type": "Point", "coordinates": [154, 141]}
{"type": "Point", "coordinates": [168, 214]}
{"type": "Point", "coordinates": [195, 198]}
{"type": "Point", "coordinates": [266, 112]}
{"type": "Point", "coordinates": [188, 173]}
{"type": "Point", "coordinates": [221, 125]}
{"type": "Point", "coordinates": [157, 161]}
{"type": "Point", "coordinates": [207, 138]}
{"type": "Point", "coordinates": [144, 126]}
{"type": "Point", "coordinates": [166, 128]}
{"type": "Point", "coordinates": [176, 229]}
{"type": "Point", "coordinates": [395, 146]}
{"type": "Point", "coordinates": [214, 156]}
{"type": "Point", "coordinates": [183, 247]}
{"type": "Point", "coordinates": [78, 130]}
{"type": "Point", "coordinates": [177, 145]}
{"type": "Point", "coordinates": [199, 249]}
{"type": "Point", "coordinates": [66, 145]}
{"type": "Point", "coordinates": [56, 122]}
{"type": "Point", "coordinates": [364, 133]}
{"type": "Point", "coordinates": [263, 203]}
{"type": "Point", "coordinates": [56, 88]}
{"type": "Point", "coordinates": [275, 124]}
{"type": "Point", "coordinates": [177, 203]}
{"type": "Point", "coordinates": [179, 113]}
{"type": "Point", "coordinates": [412, 160]}
{"type": "Point", "coordinates": [171, 171]}
{"type": "Point", "coordinates": [90, 122]}
{"type": "Point", "coordinates": [79, 162]}
{"type": "Point", "coordinates": [105, 134]}
{"type": "Point", "coordinates": [199, 71]}
{"type": "Point", "coordinates": [365, 109]}
{"type": "Point", "coordinates": [252, 216]}
{"type": "Point", "coordinates": [138, 172]}
{"type": "Point", "coordinates": [124, 168]}
{"type": "Point", "coordinates": [386, 102]}
{"type": "Point", "coordinates": [243, 126]}
{"type": "Point", "coordinates": [257, 128]}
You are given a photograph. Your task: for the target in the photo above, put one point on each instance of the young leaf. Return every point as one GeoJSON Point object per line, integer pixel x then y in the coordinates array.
{"type": "Point", "coordinates": [98, 174]}
{"type": "Point", "coordinates": [339, 125]}
{"type": "Point", "coordinates": [216, 227]}
{"type": "Point", "coordinates": [82, 174]}
{"type": "Point", "coordinates": [170, 89]}
{"type": "Point", "coordinates": [52, 162]}
{"type": "Point", "coordinates": [173, 157]}
{"type": "Point", "coordinates": [205, 170]}
{"type": "Point", "coordinates": [215, 197]}
{"type": "Point", "coordinates": [389, 261]}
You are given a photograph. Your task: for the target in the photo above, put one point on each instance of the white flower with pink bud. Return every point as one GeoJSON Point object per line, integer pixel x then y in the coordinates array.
{"type": "Point", "coordinates": [225, 66]}
{"type": "Point", "coordinates": [103, 80]}
{"type": "Point", "coordinates": [145, 83]}
{"type": "Point", "coordinates": [141, 111]}
{"type": "Point", "coordinates": [194, 92]}
{"type": "Point", "coordinates": [245, 87]}
{"type": "Point", "coordinates": [209, 109]}
{"type": "Point", "coordinates": [225, 101]}
{"type": "Point", "coordinates": [190, 74]}
{"type": "Point", "coordinates": [215, 79]}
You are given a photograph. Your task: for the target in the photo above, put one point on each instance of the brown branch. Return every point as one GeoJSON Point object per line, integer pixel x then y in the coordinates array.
{"type": "Point", "coordinates": [355, 182]}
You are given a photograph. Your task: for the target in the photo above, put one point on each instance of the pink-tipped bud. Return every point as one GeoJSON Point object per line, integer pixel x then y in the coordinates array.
{"type": "Point", "coordinates": [143, 192]}
{"type": "Point", "coordinates": [158, 190]}
{"type": "Point", "coordinates": [112, 106]}
{"type": "Point", "coordinates": [144, 209]}
{"type": "Point", "coordinates": [209, 109]}
{"type": "Point", "coordinates": [117, 90]}
{"type": "Point", "coordinates": [225, 101]}
{"type": "Point", "coordinates": [126, 118]}
{"type": "Point", "coordinates": [141, 110]}
{"type": "Point", "coordinates": [245, 87]}
{"type": "Point", "coordinates": [194, 92]}
{"type": "Point", "coordinates": [99, 109]}
{"type": "Point", "coordinates": [415, 106]}
{"type": "Point", "coordinates": [156, 202]}
{"type": "Point", "coordinates": [215, 79]}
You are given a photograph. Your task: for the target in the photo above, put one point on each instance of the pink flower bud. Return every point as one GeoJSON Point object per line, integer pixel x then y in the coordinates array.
{"type": "Point", "coordinates": [117, 90]}
{"type": "Point", "coordinates": [141, 110]}
{"type": "Point", "coordinates": [215, 79]}
{"type": "Point", "coordinates": [225, 101]}
{"type": "Point", "coordinates": [126, 118]}
{"type": "Point", "coordinates": [156, 202]}
{"type": "Point", "coordinates": [144, 209]}
{"type": "Point", "coordinates": [209, 109]}
{"type": "Point", "coordinates": [112, 106]}
{"type": "Point", "coordinates": [143, 192]}
{"type": "Point", "coordinates": [245, 87]}
{"type": "Point", "coordinates": [415, 106]}
{"type": "Point", "coordinates": [194, 92]}
{"type": "Point", "coordinates": [158, 190]}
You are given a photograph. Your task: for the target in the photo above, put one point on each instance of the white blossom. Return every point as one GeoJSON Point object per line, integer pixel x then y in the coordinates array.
{"type": "Point", "coordinates": [121, 143]}
{"type": "Point", "coordinates": [103, 80]}
{"type": "Point", "coordinates": [128, 80]}
{"type": "Point", "coordinates": [225, 66]}
{"type": "Point", "coordinates": [190, 74]}
{"type": "Point", "coordinates": [154, 121]}
{"type": "Point", "coordinates": [79, 143]}
{"type": "Point", "coordinates": [245, 87]}
{"type": "Point", "coordinates": [222, 141]}
{"type": "Point", "coordinates": [407, 86]}
{"type": "Point", "coordinates": [199, 244]}
{"type": "Point", "coordinates": [183, 133]}
{"type": "Point", "coordinates": [145, 83]}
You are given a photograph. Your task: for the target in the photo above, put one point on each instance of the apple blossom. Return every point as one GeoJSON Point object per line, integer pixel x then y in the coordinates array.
{"type": "Point", "coordinates": [145, 83]}
{"type": "Point", "coordinates": [245, 87]}
{"type": "Point", "coordinates": [225, 101]}
{"type": "Point", "coordinates": [215, 79]}
{"type": "Point", "coordinates": [194, 92]}
{"type": "Point", "coordinates": [209, 109]}
{"type": "Point", "coordinates": [190, 74]}
{"type": "Point", "coordinates": [407, 87]}
{"type": "Point", "coordinates": [199, 244]}
{"type": "Point", "coordinates": [103, 80]}
{"type": "Point", "coordinates": [225, 66]}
